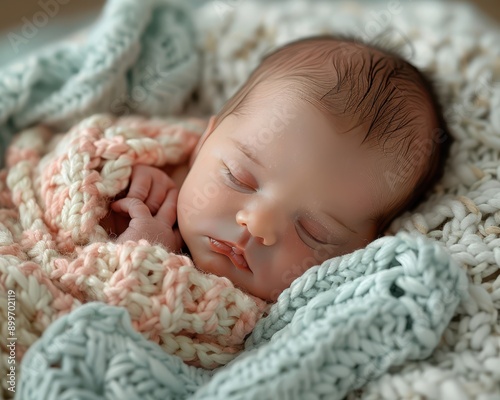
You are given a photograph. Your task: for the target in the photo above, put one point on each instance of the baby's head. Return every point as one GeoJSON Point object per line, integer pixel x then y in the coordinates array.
{"type": "Point", "coordinates": [318, 151]}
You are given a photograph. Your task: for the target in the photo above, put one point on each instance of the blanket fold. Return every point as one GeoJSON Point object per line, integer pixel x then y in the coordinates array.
{"type": "Point", "coordinates": [138, 58]}
{"type": "Point", "coordinates": [393, 307]}
{"type": "Point", "coordinates": [55, 256]}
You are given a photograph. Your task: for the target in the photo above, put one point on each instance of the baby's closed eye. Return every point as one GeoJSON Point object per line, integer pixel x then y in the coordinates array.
{"type": "Point", "coordinates": [315, 236]}
{"type": "Point", "coordinates": [233, 179]}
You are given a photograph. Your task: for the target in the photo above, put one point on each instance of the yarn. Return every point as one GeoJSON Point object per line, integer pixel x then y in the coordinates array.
{"type": "Point", "coordinates": [55, 256]}
{"type": "Point", "coordinates": [459, 50]}
{"type": "Point", "coordinates": [342, 323]}
{"type": "Point", "coordinates": [112, 356]}
{"type": "Point", "coordinates": [139, 58]}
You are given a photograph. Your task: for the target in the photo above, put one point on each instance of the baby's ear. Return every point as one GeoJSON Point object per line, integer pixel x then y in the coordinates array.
{"type": "Point", "coordinates": [208, 131]}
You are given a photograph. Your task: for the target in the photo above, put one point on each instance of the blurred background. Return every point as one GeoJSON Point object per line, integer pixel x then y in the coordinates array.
{"type": "Point", "coordinates": [13, 12]}
{"type": "Point", "coordinates": [29, 24]}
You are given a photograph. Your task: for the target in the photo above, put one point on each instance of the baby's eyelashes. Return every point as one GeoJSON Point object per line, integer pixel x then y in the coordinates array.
{"type": "Point", "coordinates": [234, 180]}
{"type": "Point", "coordinates": [316, 241]}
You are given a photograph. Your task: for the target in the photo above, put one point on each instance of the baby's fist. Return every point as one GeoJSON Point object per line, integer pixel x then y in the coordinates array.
{"type": "Point", "coordinates": [156, 229]}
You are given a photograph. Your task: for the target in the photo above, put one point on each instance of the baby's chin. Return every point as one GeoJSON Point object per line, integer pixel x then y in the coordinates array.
{"type": "Point", "coordinates": [207, 266]}
{"type": "Point", "coordinates": [199, 263]}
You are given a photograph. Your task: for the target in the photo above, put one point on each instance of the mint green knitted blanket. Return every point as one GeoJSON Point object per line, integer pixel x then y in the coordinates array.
{"type": "Point", "coordinates": [138, 58]}
{"type": "Point", "coordinates": [340, 325]}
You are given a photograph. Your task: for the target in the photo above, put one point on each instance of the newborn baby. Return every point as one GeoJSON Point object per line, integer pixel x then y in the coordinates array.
{"type": "Point", "coordinates": [327, 141]}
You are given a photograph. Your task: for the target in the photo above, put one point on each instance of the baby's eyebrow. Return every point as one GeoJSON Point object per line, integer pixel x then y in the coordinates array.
{"type": "Point", "coordinates": [246, 150]}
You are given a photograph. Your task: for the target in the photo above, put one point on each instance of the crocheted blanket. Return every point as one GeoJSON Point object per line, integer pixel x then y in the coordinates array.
{"type": "Point", "coordinates": [371, 324]}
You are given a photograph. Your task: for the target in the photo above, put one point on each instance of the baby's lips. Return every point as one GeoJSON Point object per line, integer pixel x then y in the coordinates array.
{"type": "Point", "coordinates": [230, 251]}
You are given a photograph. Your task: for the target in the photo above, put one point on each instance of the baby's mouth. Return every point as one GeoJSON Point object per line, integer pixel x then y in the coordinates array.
{"type": "Point", "coordinates": [226, 249]}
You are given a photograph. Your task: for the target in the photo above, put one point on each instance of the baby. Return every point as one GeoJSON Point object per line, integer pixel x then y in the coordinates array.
{"type": "Point", "coordinates": [327, 141]}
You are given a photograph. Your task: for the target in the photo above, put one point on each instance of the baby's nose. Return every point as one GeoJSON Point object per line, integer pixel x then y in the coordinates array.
{"type": "Point", "coordinates": [263, 222]}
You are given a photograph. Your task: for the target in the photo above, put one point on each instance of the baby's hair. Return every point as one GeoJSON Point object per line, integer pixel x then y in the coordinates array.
{"type": "Point", "coordinates": [371, 86]}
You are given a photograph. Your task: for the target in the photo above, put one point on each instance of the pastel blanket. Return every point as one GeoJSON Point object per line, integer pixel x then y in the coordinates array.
{"type": "Point", "coordinates": [339, 326]}
{"type": "Point", "coordinates": [346, 320]}
{"type": "Point", "coordinates": [379, 323]}
{"type": "Point", "coordinates": [55, 256]}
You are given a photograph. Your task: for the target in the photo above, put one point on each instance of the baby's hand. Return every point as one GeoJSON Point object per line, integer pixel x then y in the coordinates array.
{"type": "Point", "coordinates": [151, 204]}
{"type": "Point", "coordinates": [143, 225]}
{"type": "Point", "coordinates": [150, 185]}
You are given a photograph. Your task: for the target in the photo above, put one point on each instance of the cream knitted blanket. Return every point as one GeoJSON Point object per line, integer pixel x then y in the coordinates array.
{"type": "Point", "coordinates": [459, 49]}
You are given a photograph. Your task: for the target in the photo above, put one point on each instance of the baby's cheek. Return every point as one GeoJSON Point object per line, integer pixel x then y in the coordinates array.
{"type": "Point", "coordinates": [283, 280]}
{"type": "Point", "coordinates": [309, 258]}
{"type": "Point", "coordinates": [326, 252]}
{"type": "Point", "coordinates": [296, 262]}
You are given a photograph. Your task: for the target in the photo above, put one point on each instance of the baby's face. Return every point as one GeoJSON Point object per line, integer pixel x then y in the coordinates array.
{"type": "Point", "coordinates": [282, 188]}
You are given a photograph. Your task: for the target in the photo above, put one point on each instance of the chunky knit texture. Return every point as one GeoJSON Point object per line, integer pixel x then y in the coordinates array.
{"type": "Point", "coordinates": [338, 326]}
{"type": "Point", "coordinates": [55, 256]}
{"type": "Point", "coordinates": [138, 58]}
{"type": "Point", "coordinates": [459, 50]}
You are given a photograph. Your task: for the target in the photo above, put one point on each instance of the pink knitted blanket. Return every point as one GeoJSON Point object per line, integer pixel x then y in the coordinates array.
{"type": "Point", "coordinates": [54, 255]}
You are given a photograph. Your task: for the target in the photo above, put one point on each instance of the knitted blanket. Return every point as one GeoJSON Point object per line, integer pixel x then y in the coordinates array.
{"type": "Point", "coordinates": [372, 324]}
{"type": "Point", "coordinates": [56, 256]}
{"type": "Point", "coordinates": [138, 58]}
{"type": "Point", "coordinates": [338, 326]}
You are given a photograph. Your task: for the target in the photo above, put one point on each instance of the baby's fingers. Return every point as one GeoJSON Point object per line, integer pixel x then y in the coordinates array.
{"type": "Point", "coordinates": [159, 190]}
{"type": "Point", "coordinates": [133, 207]}
{"type": "Point", "coordinates": [140, 185]}
{"type": "Point", "coordinates": [168, 210]}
